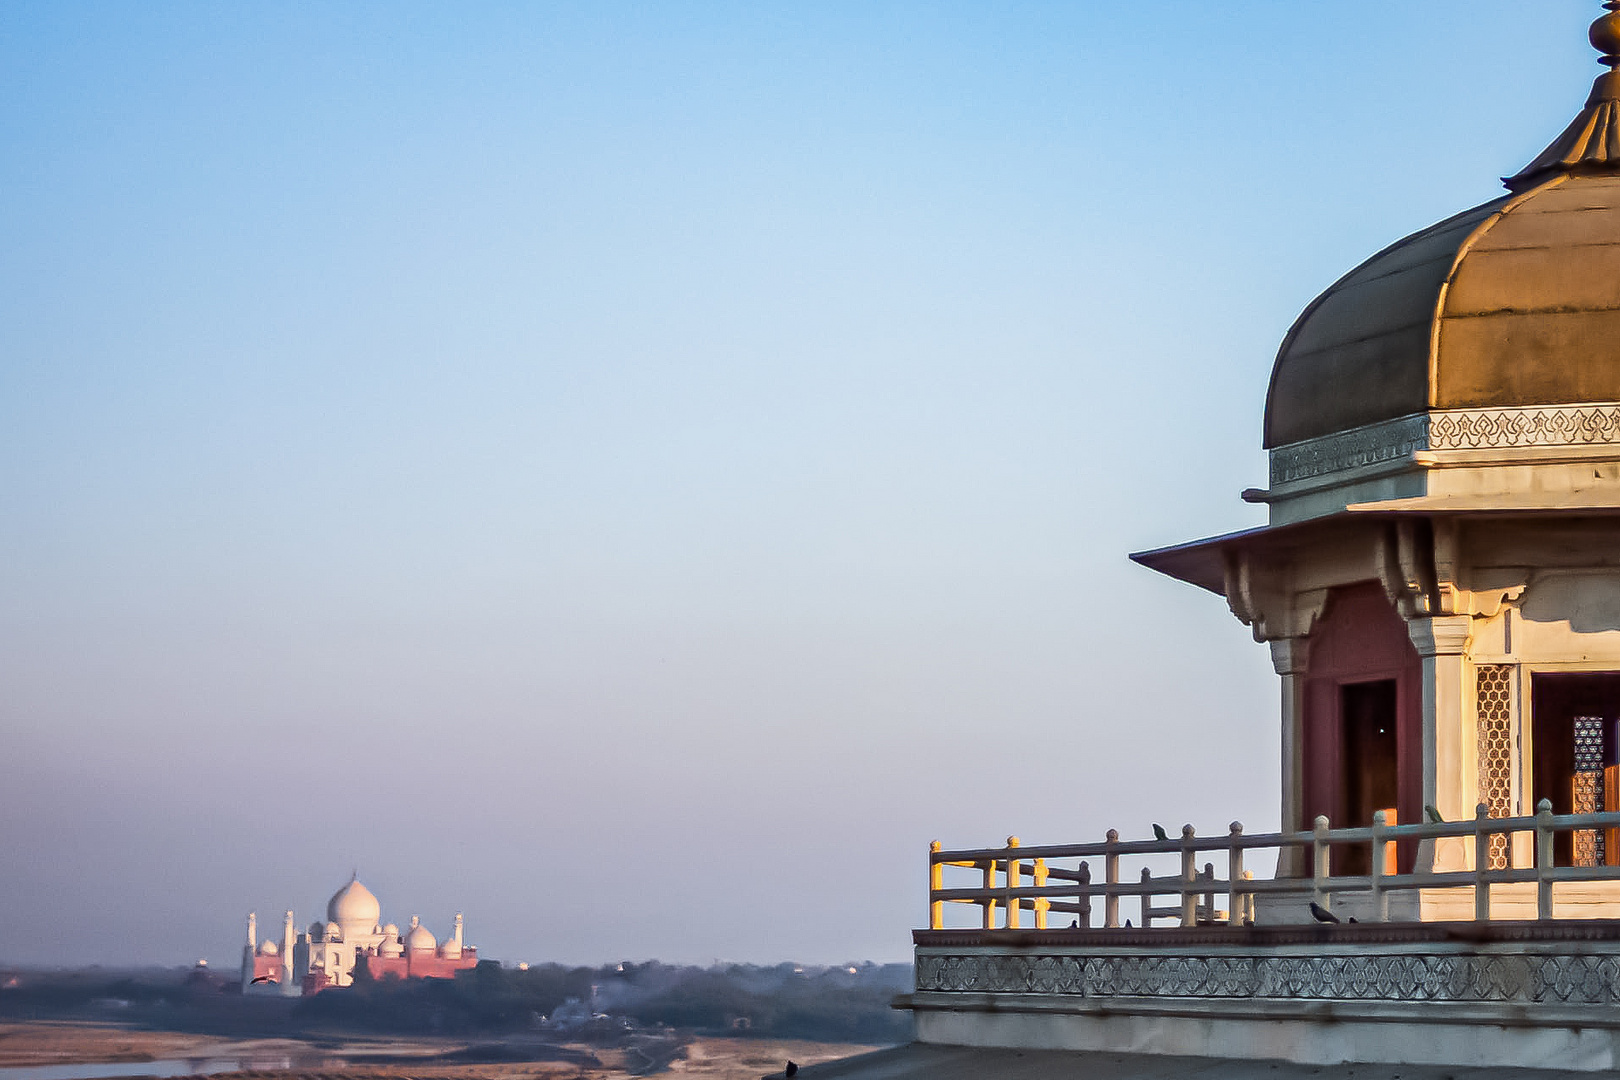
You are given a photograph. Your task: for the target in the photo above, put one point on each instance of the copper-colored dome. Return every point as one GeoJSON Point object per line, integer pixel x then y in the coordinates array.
{"type": "Point", "coordinates": [1513, 303]}
{"type": "Point", "coordinates": [1516, 302]}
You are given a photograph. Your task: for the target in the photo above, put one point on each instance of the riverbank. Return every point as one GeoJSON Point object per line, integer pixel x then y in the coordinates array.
{"type": "Point", "coordinates": [50, 1050]}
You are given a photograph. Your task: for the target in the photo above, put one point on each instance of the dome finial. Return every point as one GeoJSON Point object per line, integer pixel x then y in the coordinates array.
{"type": "Point", "coordinates": [1605, 34]}
{"type": "Point", "coordinates": [1591, 143]}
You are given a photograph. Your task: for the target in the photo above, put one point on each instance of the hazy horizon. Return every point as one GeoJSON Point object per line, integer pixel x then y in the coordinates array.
{"type": "Point", "coordinates": [635, 474]}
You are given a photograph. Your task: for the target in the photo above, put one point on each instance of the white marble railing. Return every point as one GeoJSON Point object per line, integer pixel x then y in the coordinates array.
{"type": "Point", "coordinates": [1058, 879]}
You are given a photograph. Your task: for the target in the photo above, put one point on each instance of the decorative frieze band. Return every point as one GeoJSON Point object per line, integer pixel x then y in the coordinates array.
{"type": "Point", "coordinates": [1447, 429]}
{"type": "Point", "coordinates": [1565, 978]}
{"type": "Point", "coordinates": [1375, 444]}
{"type": "Point", "coordinates": [1550, 425]}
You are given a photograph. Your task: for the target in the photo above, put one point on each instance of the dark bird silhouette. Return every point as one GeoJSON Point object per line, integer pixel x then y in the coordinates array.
{"type": "Point", "coordinates": [1352, 918]}
{"type": "Point", "coordinates": [1159, 833]}
{"type": "Point", "coordinates": [1322, 914]}
{"type": "Point", "coordinates": [1433, 815]}
{"type": "Point", "coordinates": [1127, 924]}
{"type": "Point", "coordinates": [1075, 925]}
{"type": "Point", "coordinates": [791, 1070]}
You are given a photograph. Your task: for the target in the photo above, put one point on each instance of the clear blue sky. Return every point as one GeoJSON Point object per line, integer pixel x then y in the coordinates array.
{"type": "Point", "coordinates": [638, 472]}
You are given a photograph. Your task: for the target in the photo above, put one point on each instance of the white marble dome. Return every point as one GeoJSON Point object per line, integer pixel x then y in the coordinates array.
{"type": "Point", "coordinates": [420, 937]}
{"type": "Point", "coordinates": [354, 906]}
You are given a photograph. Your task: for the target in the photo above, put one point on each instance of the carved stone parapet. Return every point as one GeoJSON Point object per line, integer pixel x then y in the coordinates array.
{"type": "Point", "coordinates": [1565, 976]}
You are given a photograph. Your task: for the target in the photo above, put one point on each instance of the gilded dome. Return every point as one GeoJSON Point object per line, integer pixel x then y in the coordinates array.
{"type": "Point", "coordinates": [1513, 303]}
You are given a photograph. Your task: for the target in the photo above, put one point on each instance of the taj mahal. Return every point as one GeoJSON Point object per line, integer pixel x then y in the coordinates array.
{"type": "Point", "coordinates": [353, 940]}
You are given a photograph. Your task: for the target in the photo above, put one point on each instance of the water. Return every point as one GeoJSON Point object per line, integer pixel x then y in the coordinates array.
{"type": "Point", "coordinates": [167, 1067]}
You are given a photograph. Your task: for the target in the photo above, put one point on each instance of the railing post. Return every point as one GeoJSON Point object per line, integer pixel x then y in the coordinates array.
{"type": "Point", "coordinates": [988, 904]}
{"type": "Point", "coordinates": [1544, 859]}
{"type": "Point", "coordinates": [1147, 901]}
{"type": "Point", "coordinates": [1234, 872]}
{"type": "Point", "coordinates": [1380, 847]}
{"type": "Point", "coordinates": [1189, 878]}
{"type": "Point", "coordinates": [1482, 862]}
{"type": "Point", "coordinates": [1248, 900]}
{"type": "Point", "coordinates": [1015, 878]}
{"type": "Point", "coordinates": [1110, 879]}
{"type": "Point", "coordinates": [1042, 904]}
{"type": "Point", "coordinates": [1207, 876]}
{"type": "Point", "coordinates": [936, 882]}
{"type": "Point", "coordinates": [1319, 862]}
{"type": "Point", "coordinates": [1083, 916]}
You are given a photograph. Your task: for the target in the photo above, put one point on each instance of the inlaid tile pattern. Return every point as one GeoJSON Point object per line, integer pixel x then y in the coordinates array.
{"type": "Point", "coordinates": [1571, 979]}
{"type": "Point", "coordinates": [1587, 787]}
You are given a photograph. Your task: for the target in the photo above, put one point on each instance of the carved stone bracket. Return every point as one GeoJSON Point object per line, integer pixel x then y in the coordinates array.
{"type": "Point", "coordinates": [1269, 607]}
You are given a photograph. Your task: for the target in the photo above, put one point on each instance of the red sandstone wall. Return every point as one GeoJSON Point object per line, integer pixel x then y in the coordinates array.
{"type": "Point", "coordinates": [1361, 638]}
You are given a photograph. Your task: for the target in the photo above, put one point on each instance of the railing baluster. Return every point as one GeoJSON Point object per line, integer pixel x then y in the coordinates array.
{"type": "Point", "coordinates": [1189, 878]}
{"type": "Point", "coordinates": [1083, 916]}
{"type": "Point", "coordinates": [1147, 901]}
{"type": "Point", "coordinates": [936, 882]}
{"type": "Point", "coordinates": [1380, 862]}
{"type": "Point", "coordinates": [1482, 861]}
{"type": "Point", "coordinates": [1110, 879]}
{"type": "Point", "coordinates": [1544, 859]}
{"type": "Point", "coordinates": [1015, 878]}
{"type": "Point", "coordinates": [1320, 850]}
{"type": "Point", "coordinates": [1235, 910]}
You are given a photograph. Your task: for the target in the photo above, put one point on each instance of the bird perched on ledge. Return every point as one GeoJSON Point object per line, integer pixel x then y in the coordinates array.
{"type": "Point", "coordinates": [1159, 833]}
{"type": "Point", "coordinates": [1322, 914]}
{"type": "Point", "coordinates": [1432, 815]}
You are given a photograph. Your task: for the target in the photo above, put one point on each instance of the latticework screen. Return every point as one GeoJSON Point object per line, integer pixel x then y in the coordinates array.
{"type": "Point", "coordinates": [1495, 726]}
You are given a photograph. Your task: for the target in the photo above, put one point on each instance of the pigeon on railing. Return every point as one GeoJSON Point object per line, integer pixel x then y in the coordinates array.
{"type": "Point", "coordinates": [1159, 833]}
{"type": "Point", "coordinates": [1322, 914]}
{"type": "Point", "coordinates": [1433, 815]}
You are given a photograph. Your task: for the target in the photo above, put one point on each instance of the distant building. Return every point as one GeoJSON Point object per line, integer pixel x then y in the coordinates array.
{"type": "Point", "coordinates": [353, 938]}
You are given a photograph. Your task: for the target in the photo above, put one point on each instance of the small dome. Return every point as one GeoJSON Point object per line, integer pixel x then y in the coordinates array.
{"type": "Point", "coordinates": [354, 907]}
{"type": "Point", "coordinates": [268, 948]}
{"type": "Point", "coordinates": [420, 937]}
{"type": "Point", "coordinates": [391, 930]}
{"type": "Point", "coordinates": [450, 950]}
